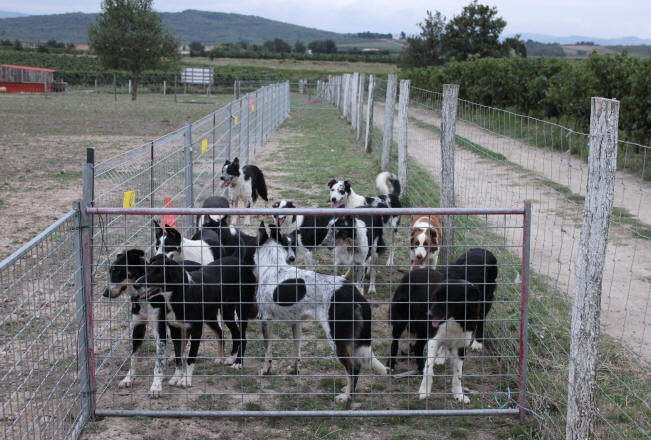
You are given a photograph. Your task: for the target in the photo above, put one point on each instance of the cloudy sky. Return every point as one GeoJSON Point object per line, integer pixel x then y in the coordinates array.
{"type": "Point", "coordinates": [598, 18]}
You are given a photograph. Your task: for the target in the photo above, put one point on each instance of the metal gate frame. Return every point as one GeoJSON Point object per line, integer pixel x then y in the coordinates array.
{"type": "Point", "coordinates": [525, 212]}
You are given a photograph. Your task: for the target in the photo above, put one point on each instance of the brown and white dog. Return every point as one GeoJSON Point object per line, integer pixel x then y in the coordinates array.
{"type": "Point", "coordinates": [425, 240]}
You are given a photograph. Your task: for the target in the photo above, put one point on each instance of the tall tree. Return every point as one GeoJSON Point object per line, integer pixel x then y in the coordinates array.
{"type": "Point", "coordinates": [299, 47]}
{"type": "Point", "coordinates": [426, 48]}
{"type": "Point", "coordinates": [129, 35]}
{"type": "Point", "coordinates": [474, 32]}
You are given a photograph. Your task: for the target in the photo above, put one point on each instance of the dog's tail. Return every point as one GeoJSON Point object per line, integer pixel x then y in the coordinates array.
{"type": "Point", "coordinates": [383, 180]}
{"type": "Point", "coordinates": [259, 184]}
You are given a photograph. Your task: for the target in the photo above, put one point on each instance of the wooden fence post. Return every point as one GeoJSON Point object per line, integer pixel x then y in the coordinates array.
{"type": "Point", "coordinates": [403, 118]}
{"type": "Point", "coordinates": [389, 108]}
{"type": "Point", "coordinates": [448, 129]}
{"type": "Point", "coordinates": [360, 104]}
{"type": "Point", "coordinates": [346, 110]}
{"type": "Point", "coordinates": [368, 147]}
{"type": "Point", "coordinates": [353, 100]}
{"type": "Point", "coordinates": [590, 259]}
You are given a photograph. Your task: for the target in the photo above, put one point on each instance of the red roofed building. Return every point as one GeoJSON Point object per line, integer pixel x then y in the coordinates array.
{"type": "Point", "coordinates": [18, 79]}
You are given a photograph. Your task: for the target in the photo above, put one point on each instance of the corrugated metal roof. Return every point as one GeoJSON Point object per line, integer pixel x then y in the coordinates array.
{"type": "Point", "coordinates": [41, 69]}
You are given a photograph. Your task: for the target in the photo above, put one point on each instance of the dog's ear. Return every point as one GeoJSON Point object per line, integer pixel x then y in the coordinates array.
{"type": "Point", "coordinates": [236, 162]}
{"type": "Point", "coordinates": [159, 231]}
{"type": "Point", "coordinates": [172, 232]}
{"type": "Point", "coordinates": [262, 234]}
{"type": "Point", "coordinates": [228, 162]}
{"type": "Point", "coordinates": [290, 204]}
{"type": "Point", "coordinates": [331, 182]}
{"type": "Point", "coordinates": [347, 185]}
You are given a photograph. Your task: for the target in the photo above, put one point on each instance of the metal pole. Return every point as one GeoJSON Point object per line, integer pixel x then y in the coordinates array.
{"type": "Point", "coordinates": [524, 310]}
{"type": "Point", "coordinates": [448, 129]}
{"type": "Point", "coordinates": [230, 130]}
{"type": "Point", "coordinates": [368, 139]}
{"type": "Point", "coordinates": [115, 89]}
{"type": "Point", "coordinates": [214, 115]}
{"type": "Point", "coordinates": [175, 87]}
{"type": "Point", "coordinates": [151, 182]}
{"type": "Point", "coordinates": [189, 197]}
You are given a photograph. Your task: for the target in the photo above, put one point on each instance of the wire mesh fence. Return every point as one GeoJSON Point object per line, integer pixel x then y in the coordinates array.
{"type": "Point", "coordinates": [46, 290]}
{"type": "Point", "coordinates": [502, 159]}
{"type": "Point", "coordinates": [335, 357]}
{"type": "Point", "coordinates": [41, 367]}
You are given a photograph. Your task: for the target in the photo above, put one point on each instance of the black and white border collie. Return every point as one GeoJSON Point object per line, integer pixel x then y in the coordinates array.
{"type": "Point", "coordinates": [286, 293]}
{"type": "Point", "coordinates": [125, 270]}
{"type": "Point", "coordinates": [189, 301]}
{"type": "Point", "coordinates": [246, 189]}
{"type": "Point", "coordinates": [213, 220]}
{"type": "Point", "coordinates": [178, 248]}
{"type": "Point", "coordinates": [408, 309]}
{"type": "Point", "coordinates": [307, 231]}
{"type": "Point", "coordinates": [453, 316]}
{"type": "Point", "coordinates": [357, 242]}
{"type": "Point", "coordinates": [342, 195]}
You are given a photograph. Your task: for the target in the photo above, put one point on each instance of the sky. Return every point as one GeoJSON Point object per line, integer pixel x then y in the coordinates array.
{"type": "Point", "coordinates": [597, 18]}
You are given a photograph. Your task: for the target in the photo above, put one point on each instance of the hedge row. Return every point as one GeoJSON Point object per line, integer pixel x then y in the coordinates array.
{"type": "Point", "coordinates": [552, 87]}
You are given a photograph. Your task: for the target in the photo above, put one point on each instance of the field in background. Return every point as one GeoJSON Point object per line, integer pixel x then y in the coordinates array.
{"type": "Point", "coordinates": [394, 46]}
{"type": "Point", "coordinates": [320, 67]}
{"type": "Point", "coordinates": [43, 143]}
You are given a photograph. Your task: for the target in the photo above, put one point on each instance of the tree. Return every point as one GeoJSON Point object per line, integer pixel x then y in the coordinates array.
{"type": "Point", "coordinates": [426, 49]}
{"type": "Point", "coordinates": [516, 45]}
{"type": "Point", "coordinates": [129, 35]}
{"type": "Point", "coordinates": [323, 46]}
{"type": "Point", "coordinates": [196, 48]}
{"type": "Point", "coordinates": [299, 47]}
{"type": "Point", "coordinates": [474, 32]}
{"type": "Point", "coordinates": [277, 46]}
{"type": "Point", "coordinates": [18, 45]}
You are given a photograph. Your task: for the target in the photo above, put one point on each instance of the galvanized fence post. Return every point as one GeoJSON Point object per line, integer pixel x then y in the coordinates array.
{"type": "Point", "coordinates": [230, 130]}
{"type": "Point", "coordinates": [590, 260]}
{"type": "Point", "coordinates": [524, 310]}
{"type": "Point", "coordinates": [360, 105]}
{"type": "Point", "coordinates": [389, 108]}
{"type": "Point", "coordinates": [368, 147]}
{"type": "Point", "coordinates": [189, 196]}
{"type": "Point", "coordinates": [214, 115]}
{"type": "Point", "coordinates": [403, 116]}
{"type": "Point", "coordinates": [448, 129]}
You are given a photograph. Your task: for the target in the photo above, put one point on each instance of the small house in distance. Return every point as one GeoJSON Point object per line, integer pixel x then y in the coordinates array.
{"type": "Point", "coordinates": [16, 79]}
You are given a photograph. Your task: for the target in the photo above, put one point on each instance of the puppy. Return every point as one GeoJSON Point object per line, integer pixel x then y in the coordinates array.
{"type": "Point", "coordinates": [425, 239]}
{"type": "Point", "coordinates": [342, 195]}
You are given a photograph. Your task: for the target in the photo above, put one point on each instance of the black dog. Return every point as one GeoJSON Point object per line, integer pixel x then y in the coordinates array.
{"type": "Point", "coordinates": [213, 221]}
{"type": "Point", "coordinates": [409, 304]}
{"type": "Point", "coordinates": [453, 315]}
{"type": "Point", "coordinates": [190, 302]}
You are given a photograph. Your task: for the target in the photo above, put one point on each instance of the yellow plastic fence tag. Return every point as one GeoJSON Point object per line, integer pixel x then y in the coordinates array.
{"type": "Point", "coordinates": [252, 107]}
{"type": "Point", "coordinates": [129, 199]}
{"type": "Point", "coordinates": [204, 145]}
{"type": "Point", "coordinates": [265, 99]}
{"type": "Point", "coordinates": [235, 120]}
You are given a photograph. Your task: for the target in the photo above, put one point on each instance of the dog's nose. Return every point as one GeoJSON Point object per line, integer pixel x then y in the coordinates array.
{"type": "Point", "coordinates": [292, 258]}
{"type": "Point", "coordinates": [333, 199]}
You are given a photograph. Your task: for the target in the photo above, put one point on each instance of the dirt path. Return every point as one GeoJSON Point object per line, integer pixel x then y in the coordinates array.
{"type": "Point", "coordinates": [556, 226]}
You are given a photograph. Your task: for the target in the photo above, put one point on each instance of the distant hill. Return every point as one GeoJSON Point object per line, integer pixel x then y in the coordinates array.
{"type": "Point", "coordinates": [573, 39]}
{"type": "Point", "coordinates": [189, 25]}
{"type": "Point", "coordinates": [8, 14]}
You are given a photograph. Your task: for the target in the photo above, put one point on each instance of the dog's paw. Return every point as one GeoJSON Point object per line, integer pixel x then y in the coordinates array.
{"type": "Point", "coordinates": [294, 369]}
{"type": "Point", "coordinates": [185, 382]}
{"type": "Point", "coordinates": [230, 360]}
{"type": "Point", "coordinates": [460, 397]}
{"type": "Point", "coordinates": [155, 390]}
{"type": "Point", "coordinates": [476, 345]}
{"type": "Point", "coordinates": [342, 398]}
{"type": "Point", "coordinates": [236, 366]}
{"type": "Point", "coordinates": [371, 291]}
{"type": "Point", "coordinates": [423, 396]}
{"type": "Point", "coordinates": [127, 382]}
{"type": "Point", "coordinates": [440, 360]}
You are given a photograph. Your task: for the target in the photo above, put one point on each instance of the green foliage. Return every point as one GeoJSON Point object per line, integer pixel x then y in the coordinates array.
{"type": "Point", "coordinates": [277, 46]}
{"type": "Point", "coordinates": [530, 85]}
{"type": "Point", "coordinates": [474, 33]}
{"type": "Point", "coordinates": [323, 46]}
{"type": "Point", "coordinates": [196, 46]}
{"type": "Point", "coordinates": [129, 35]}
{"type": "Point", "coordinates": [299, 47]}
